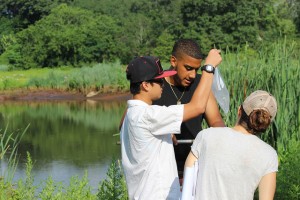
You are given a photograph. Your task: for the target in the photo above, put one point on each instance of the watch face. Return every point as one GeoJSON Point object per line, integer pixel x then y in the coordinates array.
{"type": "Point", "coordinates": [208, 68]}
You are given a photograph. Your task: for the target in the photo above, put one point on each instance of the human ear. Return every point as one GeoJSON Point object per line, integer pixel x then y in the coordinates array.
{"type": "Point", "coordinates": [239, 111]}
{"type": "Point", "coordinates": [173, 61]}
{"type": "Point", "coordinates": [145, 86]}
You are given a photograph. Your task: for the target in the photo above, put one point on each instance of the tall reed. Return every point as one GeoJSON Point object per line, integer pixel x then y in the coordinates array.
{"type": "Point", "coordinates": [276, 69]}
{"type": "Point", "coordinates": [8, 151]}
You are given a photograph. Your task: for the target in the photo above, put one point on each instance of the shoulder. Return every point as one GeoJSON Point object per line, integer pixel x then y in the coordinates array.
{"type": "Point", "coordinates": [154, 110]}
{"type": "Point", "coordinates": [266, 147]}
{"type": "Point", "coordinates": [216, 131]}
{"type": "Point", "coordinates": [271, 152]}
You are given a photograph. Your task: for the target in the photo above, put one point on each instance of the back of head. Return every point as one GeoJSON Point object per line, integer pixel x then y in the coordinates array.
{"type": "Point", "coordinates": [187, 46]}
{"type": "Point", "coordinates": [258, 110]}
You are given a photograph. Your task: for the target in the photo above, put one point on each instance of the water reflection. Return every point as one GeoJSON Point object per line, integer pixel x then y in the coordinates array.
{"type": "Point", "coordinates": [65, 139]}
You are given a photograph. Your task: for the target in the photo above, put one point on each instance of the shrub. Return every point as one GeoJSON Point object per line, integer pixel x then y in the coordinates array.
{"type": "Point", "coordinates": [288, 179]}
{"type": "Point", "coordinates": [68, 36]}
{"type": "Point", "coordinates": [114, 187]}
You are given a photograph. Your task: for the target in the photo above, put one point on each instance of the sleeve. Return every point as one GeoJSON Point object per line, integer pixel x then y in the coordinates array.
{"type": "Point", "coordinates": [273, 163]}
{"type": "Point", "coordinates": [165, 120]}
{"type": "Point", "coordinates": [198, 144]}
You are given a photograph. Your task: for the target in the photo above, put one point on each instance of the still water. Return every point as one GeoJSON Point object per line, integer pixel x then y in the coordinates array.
{"type": "Point", "coordinates": [65, 138]}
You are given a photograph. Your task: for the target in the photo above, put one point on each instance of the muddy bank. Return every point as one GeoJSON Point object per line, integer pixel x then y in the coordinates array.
{"type": "Point", "coordinates": [59, 95]}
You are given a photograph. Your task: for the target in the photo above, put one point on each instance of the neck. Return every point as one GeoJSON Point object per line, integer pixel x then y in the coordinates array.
{"type": "Point", "coordinates": [143, 98]}
{"type": "Point", "coordinates": [241, 129]}
{"type": "Point", "coordinates": [170, 80]}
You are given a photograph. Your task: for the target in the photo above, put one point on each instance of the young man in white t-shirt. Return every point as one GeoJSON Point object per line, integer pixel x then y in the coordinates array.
{"type": "Point", "coordinates": [147, 149]}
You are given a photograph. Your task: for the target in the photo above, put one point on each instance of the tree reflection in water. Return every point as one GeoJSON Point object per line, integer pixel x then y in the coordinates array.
{"type": "Point", "coordinates": [65, 138]}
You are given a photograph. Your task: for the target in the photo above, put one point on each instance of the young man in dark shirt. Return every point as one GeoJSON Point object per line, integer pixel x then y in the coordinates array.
{"type": "Point", "coordinates": [186, 59]}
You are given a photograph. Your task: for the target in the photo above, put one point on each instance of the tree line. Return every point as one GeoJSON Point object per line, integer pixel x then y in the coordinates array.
{"type": "Point", "coordinates": [43, 33]}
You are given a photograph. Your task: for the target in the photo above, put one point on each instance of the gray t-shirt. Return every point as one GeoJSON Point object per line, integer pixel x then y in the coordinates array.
{"type": "Point", "coordinates": [231, 164]}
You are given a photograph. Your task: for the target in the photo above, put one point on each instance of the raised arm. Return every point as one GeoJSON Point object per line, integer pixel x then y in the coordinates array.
{"type": "Point", "coordinates": [199, 99]}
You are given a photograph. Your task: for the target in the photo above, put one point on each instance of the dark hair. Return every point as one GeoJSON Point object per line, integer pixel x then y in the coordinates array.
{"type": "Point", "coordinates": [257, 122]}
{"type": "Point", "coordinates": [135, 88]}
{"type": "Point", "coordinates": [188, 47]}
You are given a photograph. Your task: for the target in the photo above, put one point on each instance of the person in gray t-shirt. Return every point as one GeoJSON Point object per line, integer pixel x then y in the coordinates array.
{"type": "Point", "coordinates": [233, 162]}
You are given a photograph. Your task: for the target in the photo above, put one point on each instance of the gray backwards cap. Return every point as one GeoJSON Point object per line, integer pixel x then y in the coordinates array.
{"type": "Point", "coordinates": [260, 100]}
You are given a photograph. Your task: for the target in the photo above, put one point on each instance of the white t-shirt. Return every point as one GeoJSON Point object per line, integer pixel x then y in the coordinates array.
{"type": "Point", "coordinates": [147, 150]}
{"type": "Point", "coordinates": [231, 164]}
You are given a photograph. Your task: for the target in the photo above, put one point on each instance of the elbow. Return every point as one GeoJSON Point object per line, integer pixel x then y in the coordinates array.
{"type": "Point", "coordinates": [200, 109]}
{"type": "Point", "coordinates": [196, 111]}
{"type": "Point", "coordinates": [193, 110]}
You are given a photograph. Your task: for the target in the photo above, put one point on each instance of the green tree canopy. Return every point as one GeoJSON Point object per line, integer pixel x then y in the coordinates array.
{"type": "Point", "coordinates": [37, 32]}
{"type": "Point", "coordinates": [67, 36]}
{"type": "Point", "coordinates": [26, 12]}
{"type": "Point", "coordinates": [229, 23]}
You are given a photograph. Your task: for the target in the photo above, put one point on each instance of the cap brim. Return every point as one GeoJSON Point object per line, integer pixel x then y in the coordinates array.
{"type": "Point", "coordinates": [166, 73]}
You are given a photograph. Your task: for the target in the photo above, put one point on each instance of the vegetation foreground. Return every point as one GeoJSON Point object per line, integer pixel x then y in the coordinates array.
{"type": "Point", "coordinates": [275, 69]}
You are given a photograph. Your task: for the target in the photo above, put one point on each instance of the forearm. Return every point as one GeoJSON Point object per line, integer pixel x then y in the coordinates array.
{"type": "Point", "coordinates": [219, 123]}
{"type": "Point", "coordinates": [200, 97]}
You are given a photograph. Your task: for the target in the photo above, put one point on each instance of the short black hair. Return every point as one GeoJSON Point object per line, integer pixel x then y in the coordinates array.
{"type": "Point", "coordinates": [135, 88]}
{"type": "Point", "coordinates": [187, 46]}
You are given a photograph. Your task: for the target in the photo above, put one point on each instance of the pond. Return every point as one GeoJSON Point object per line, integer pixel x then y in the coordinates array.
{"type": "Point", "coordinates": [65, 138]}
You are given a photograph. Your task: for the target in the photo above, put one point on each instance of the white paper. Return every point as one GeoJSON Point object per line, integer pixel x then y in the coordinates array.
{"type": "Point", "coordinates": [189, 182]}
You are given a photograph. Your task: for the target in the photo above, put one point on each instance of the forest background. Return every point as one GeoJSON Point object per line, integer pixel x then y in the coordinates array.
{"type": "Point", "coordinates": [84, 45]}
{"type": "Point", "coordinates": [42, 33]}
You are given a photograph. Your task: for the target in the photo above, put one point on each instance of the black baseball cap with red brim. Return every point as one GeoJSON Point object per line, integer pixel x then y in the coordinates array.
{"type": "Point", "coordinates": [145, 68]}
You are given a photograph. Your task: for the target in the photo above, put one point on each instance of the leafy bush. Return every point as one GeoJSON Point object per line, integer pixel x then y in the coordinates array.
{"type": "Point", "coordinates": [114, 187]}
{"type": "Point", "coordinates": [288, 180]}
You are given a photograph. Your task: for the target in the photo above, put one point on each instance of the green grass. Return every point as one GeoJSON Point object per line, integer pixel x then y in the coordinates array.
{"type": "Point", "coordinates": [19, 78]}
{"type": "Point", "coordinates": [105, 77]}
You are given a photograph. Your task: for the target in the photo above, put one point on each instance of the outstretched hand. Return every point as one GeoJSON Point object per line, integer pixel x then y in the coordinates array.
{"type": "Point", "coordinates": [213, 58]}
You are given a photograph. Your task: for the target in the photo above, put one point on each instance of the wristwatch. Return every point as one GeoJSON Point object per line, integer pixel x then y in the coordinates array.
{"type": "Point", "coordinates": [208, 68]}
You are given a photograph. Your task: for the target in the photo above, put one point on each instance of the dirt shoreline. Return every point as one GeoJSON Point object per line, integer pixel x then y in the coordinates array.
{"type": "Point", "coordinates": [59, 95]}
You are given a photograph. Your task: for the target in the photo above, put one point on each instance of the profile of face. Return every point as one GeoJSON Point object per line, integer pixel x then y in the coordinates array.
{"type": "Point", "coordinates": [156, 88]}
{"type": "Point", "coordinates": [186, 67]}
